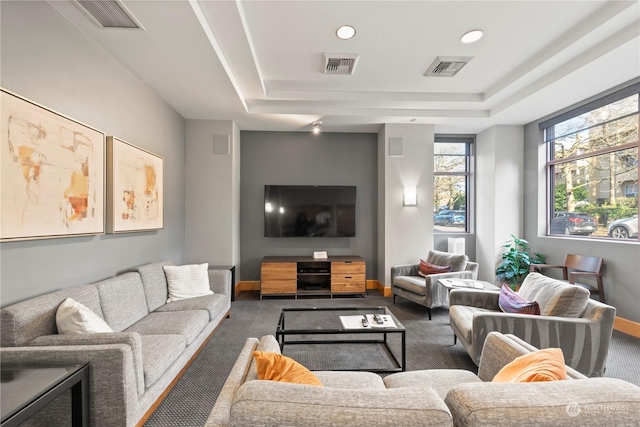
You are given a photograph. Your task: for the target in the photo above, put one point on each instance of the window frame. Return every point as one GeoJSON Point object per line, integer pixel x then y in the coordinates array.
{"type": "Point", "coordinates": [469, 141]}
{"type": "Point", "coordinates": [549, 138]}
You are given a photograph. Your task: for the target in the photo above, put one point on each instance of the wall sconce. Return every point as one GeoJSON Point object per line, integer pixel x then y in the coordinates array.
{"type": "Point", "coordinates": [410, 196]}
{"type": "Point", "coordinates": [316, 127]}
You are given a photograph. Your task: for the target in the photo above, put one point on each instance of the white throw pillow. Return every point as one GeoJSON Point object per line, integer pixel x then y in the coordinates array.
{"type": "Point", "coordinates": [187, 281]}
{"type": "Point", "coordinates": [75, 318]}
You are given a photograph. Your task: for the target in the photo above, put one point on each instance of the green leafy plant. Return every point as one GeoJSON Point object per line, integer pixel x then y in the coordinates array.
{"type": "Point", "coordinates": [516, 261]}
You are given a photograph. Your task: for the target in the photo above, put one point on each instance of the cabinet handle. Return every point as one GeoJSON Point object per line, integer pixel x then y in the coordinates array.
{"type": "Point", "coordinates": [347, 277]}
{"type": "Point", "coordinates": [348, 262]}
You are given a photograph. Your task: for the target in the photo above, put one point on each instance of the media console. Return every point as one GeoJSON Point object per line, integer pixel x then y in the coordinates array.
{"type": "Point", "coordinates": [296, 275]}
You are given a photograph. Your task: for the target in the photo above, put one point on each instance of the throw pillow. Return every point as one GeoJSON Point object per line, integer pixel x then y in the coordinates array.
{"type": "Point", "coordinates": [75, 318]}
{"type": "Point", "coordinates": [276, 367]}
{"type": "Point", "coordinates": [541, 365]}
{"type": "Point", "coordinates": [187, 281]}
{"type": "Point", "coordinates": [510, 302]}
{"type": "Point", "coordinates": [427, 268]}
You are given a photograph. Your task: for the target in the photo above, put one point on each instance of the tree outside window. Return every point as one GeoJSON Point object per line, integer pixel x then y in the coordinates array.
{"type": "Point", "coordinates": [593, 170]}
{"type": "Point", "coordinates": [451, 184]}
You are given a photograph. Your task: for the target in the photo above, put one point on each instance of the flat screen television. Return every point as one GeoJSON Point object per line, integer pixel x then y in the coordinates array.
{"type": "Point", "coordinates": [309, 211]}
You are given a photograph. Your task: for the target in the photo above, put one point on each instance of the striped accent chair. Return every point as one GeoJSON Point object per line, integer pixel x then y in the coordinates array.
{"type": "Point", "coordinates": [568, 319]}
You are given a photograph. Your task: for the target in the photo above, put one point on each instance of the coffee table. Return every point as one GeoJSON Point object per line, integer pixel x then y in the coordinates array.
{"type": "Point", "coordinates": [342, 325]}
{"type": "Point", "coordinates": [26, 388]}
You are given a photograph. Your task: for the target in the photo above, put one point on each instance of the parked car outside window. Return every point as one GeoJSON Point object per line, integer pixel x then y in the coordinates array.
{"type": "Point", "coordinates": [573, 223]}
{"type": "Point", "coordinates": [449, 217]}
{"type": "Point", "coordinates": [625, 228]}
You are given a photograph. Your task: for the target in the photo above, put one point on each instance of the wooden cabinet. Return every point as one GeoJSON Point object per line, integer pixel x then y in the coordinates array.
{"type": "Point", "coordinates": [348, 277]}
{"type": "Point", "coordinates": [278, 278]}
{"type": "Point", "coordinates": [308, 276]}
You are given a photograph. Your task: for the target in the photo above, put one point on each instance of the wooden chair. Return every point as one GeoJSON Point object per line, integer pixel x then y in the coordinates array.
{"type": "Point", "coordinates": [580, 265]}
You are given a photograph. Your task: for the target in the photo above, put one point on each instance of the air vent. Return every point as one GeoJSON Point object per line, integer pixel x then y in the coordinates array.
{"type": "Point", "coordinates": [340, 63]}
{"type": "Point", "coordinates": [109, 13]}
{"type": "Point", "coordinates": [447, 66]}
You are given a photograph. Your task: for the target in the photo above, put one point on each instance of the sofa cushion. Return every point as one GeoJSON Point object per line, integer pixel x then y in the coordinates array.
{"type": "Point", "coordinates": [158, 353]}
{"type": "Point", "coordinates": [510, 302]}
{"type": "Point", "coordinates": [211, 303]}
{"type": "Point", "coordinates": [123, 301]}
{"type": "Point", "coordinates": [541, 365]}
{"type": "Point", "coordinates": [154, 283]}
{"type": "Point", "coordinates": [440, 380]}
{"type": "Point", "coordinates": [556, 298]}
{"type": "Point", "coordinates": [350, 379]}
{"type": "Point", "coordinates": [186, 323]}
{"type": "Point", "coordinates": [276, 367]}
{"type": "Point", "coordinates": [22, 322]}
{"type": "Point", "coordinates": [75, 318]}
{"type": "Point", "coordinates": [464, 318]}
{"type": "Point", "coordinates": [415, 284]}
{"type": "Point", "coordinates": [458, 262]}
{"type": "Point", "coordinates": [187, 281]}
{"type": "Point", "coordinates": [426, 268]}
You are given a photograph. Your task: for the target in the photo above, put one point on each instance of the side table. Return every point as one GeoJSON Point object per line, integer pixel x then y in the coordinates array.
{"type": "Point", "coordinates": [231, 268]}
{"type": "Point", "coordinates": [27, 388]}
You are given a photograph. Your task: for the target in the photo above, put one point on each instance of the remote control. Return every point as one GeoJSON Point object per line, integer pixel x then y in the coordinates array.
{"type": "Point", "coordinates": [364, 322]}
{"type": "Point", "coordinates": [378, 319]}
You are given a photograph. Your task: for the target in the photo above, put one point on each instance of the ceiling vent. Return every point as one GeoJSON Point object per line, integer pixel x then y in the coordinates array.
{"type": "Point", "coordinates": [340, 63]}
{"type": "Point", "coordinates": [447, 66]}
{"type": "Point", "coordinates": [109, 13]}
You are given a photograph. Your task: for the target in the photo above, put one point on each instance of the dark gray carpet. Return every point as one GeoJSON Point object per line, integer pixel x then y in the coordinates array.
{"type": "Point", "coordinates": [429, 346]}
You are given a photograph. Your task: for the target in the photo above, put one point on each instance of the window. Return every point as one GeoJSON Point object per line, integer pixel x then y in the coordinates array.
{"type": "Point", "coordinates": [592, 168]}
{"type": "Point", "coordinates": [451, 184]}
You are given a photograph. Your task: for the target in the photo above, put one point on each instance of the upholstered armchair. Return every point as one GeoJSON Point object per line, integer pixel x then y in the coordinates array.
{"type": "Point", "coordinates": [569, 320]}
{"type": "Point", "coordinates": [407, 283]}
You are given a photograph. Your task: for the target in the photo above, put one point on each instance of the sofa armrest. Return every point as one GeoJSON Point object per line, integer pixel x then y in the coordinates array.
{"type": "Point", "coordinates": [132, 339]}
{"type": "Point", "coordinates": [500, 349]}
{"type": "Point", "coordinates": [550, 331]}
{"type": "Point", "coordinates": [404, 270]}
{"type": "Point", "coordinates": [592, 401]}
{"type": "Point", "coordinates": [276, 403]}
{"type": "Point", "coordinates": [220, 281]}
{"type": "Point", "coordinates": [480, 298]}
{"type": "Point", "coordinates": [113, 398]}
{"type": "Point", "coordinates": [219, 415]}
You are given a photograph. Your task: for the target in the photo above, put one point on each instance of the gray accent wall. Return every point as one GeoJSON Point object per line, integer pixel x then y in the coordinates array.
{"type": "Point", "coordinates": [301, 158]}
{"type": "Point", "coordinates": [47, 60]}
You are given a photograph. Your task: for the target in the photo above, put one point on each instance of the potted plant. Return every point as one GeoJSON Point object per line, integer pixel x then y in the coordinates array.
{"type": "Point", "coordinates": [516, 261]}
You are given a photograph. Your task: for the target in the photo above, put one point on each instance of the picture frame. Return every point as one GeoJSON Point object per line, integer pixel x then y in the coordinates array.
{"type": "Point", "coordinates": [51, 171]}
{"type": "Point", "coordinates": [135, 188]}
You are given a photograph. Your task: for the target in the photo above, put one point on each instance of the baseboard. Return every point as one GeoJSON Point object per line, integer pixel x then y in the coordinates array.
{"type": "Point", "coordinates": [247, 285]}
{"type": "Point", "coordinates": [374, 284]}
{"type": "Point", "coordinates": [627, 327]}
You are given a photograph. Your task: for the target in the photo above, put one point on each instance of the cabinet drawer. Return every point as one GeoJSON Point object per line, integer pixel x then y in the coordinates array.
{"type": "Point", "coordinates": [279, 271]}
{"type": "Point", "coordinates": [278, 287]}
{"type": "Point", "coordinates": [348, 268]}
{"type": "Point", "coordinates": [348, 283]}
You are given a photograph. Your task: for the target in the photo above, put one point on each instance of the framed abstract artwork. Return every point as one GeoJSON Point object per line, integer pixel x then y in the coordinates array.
{"type": "Point", "coordinates": [134, 188]}
{"type": "Point", "coordinates": [51, 172]}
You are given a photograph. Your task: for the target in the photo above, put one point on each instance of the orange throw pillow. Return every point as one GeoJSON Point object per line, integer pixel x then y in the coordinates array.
{"type": "Point", "coordinates": [541, 365]}
{"type": "Point", "coordinates": [276, 367]}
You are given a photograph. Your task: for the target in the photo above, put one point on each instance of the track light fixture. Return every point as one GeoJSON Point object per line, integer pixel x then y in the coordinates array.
{"type": "Point", "coordinates": [316, 127]}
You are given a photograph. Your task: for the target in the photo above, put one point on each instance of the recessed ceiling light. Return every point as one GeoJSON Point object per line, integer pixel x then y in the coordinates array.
{"type": "Point", "coordinates": [345, 32]}
{"type": "Point", "coordinates": [472, 36]}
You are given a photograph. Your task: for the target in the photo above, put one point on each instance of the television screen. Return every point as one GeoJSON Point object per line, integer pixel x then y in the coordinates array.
{"type": "Point", "coordinates": [309, 211]}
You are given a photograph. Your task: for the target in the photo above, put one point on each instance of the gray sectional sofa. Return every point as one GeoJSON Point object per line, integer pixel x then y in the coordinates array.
{"type": "Point", "coordinates": [132, 367]}
{"type": "Point", "coordinates": [437, 397]}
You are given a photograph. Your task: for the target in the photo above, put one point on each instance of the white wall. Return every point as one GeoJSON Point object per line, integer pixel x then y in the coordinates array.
{"type": "Point", "coordinates": [407, 231]}
{"type": "Point", "coordinates": [47, 60]}
{"type": "Point", "coordinates": [499, 200]}
{"type": "Point", "coordinates": [212, 194]}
